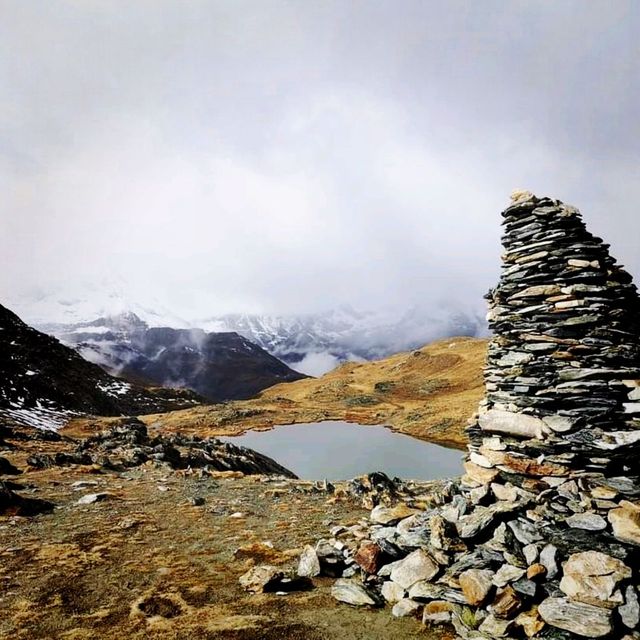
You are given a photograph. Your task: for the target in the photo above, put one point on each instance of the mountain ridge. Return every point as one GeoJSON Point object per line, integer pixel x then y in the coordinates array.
{"type": "Point", "coordinates": [312, 342]}
{"type": "Point", "coordinates": [218, 366]}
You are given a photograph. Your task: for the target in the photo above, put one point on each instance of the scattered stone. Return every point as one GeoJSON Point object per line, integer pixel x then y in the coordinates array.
{"type": "Point", "coordinates": [530, 553]}
{"type": "Point", "coordinates": [625, 522]}
{"type": "Point", "coordinates": [128, 444]}
{"type": "Point", "coordinates": [630, 610]}
{"type": "Point", "coordinates": [391, 515]}
{"type": "Point", "coordinates": [368, 556]}
{"type": "Point", "coordinates": [524, 531]}
{"type": "Point", "coordinates": [331, 559]}
{"type": "Point", "coordinates": [437, 612]}
{"type": "Point", "coordinates": [80, 485]}
{"type": "Point", "coordinates": [476, 585]}
{"type": "Point", "coordinates": [531, 622]}
{"type": "Point", "coordinates": [392, 592]}
{"type": "Point", "coordinates": [476, 522]}
{"type": "Point", "coordinates": [270, 579]}
{"type": "Point", "coordinates": [536, 571]}
{"type": "Point", "coordinates": [548, 559]}
{"type": "Point", "coordinates": [507, 573]}
{"type": "Point", "coordinates": [90, 498]}
{"type": "Point", "coordinates": [589, 520]}
{"type": "Point", "coordinates": [593, 577]}
{"type": "Point", "coordinates": [406, 607]}
{"type": "Point", "coordinates": [495, 627]}
{"type": "Point", "coordinates": [506, 603]}
{"type": "Point", "coordinates": [261, 579]}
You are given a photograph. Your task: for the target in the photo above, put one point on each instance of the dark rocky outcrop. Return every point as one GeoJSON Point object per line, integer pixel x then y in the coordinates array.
{"type": "Point", "coordinates": [128, 444]}
{"type": "Point", "coordinates": [12, 503]}
{"type": "Point", "coordinates": [541, 536]}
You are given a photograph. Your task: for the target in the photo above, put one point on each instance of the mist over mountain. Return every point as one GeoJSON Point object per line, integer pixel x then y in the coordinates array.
{"type": "Point", "coordinates": [315, 343]}
{"type": "Point", "coordinates": [219, 366]}
{"type": "Point", "coordinates": [109, 327]}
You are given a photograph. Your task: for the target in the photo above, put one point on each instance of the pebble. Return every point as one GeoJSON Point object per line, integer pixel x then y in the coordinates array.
{"type": "Point", "coordinates": [91, 498]}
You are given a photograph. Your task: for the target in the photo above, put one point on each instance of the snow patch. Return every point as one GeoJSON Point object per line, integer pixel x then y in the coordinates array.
{"type": "Point", "coordinates": [40, 417]}
{"type": "Point", "coordinates": [116, 388]}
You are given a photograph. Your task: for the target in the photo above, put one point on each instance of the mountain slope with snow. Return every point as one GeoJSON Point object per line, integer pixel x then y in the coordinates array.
{"type": "Point", "coordinates": [41, 380]}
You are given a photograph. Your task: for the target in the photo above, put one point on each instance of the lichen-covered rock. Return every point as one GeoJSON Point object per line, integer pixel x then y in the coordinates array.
{"type": "Point", "coordinates": [417, 566]}
{"type": "Point", "coordinates": [262, 578]}
{"type": "Point", "coordinates": [369, 556]}
{"type": "Point", "coordinates": [406, 607]}
{"type": "Point", "coordinates": [391, 515]}
{"type": "Point", "coordinates": [594, 577]}
{"type": "Point", "coordinates": [393, 592]}
{"type": "Point", "coordinates": [576, 617]}
{"type": "Point", "coordinates": [309, 564]}
{"type": "Point", "coordinates": [506, 603]}
{"type": "Point", "coordinates": [476, 585]}
{"type": "Point", "coordinates": [625, 521]}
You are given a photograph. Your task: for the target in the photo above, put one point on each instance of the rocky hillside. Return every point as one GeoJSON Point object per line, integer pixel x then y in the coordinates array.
{"type": "Point", "coordinates": [428, 393]}
{"type": "Point", "coordinates": [40, 379]}
{"type": "Point", "coordinates": [218, 366]}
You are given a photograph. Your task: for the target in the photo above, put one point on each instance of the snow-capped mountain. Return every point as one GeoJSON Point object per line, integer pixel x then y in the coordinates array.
{"type": "Point", "coordinates": [312, 343]}
{"type": "Point", "coordinates": [86, 301]}
{"type": "Point", "coordinates": [343, 334]}
{"type": "Point", "coordinates": [218, 366]}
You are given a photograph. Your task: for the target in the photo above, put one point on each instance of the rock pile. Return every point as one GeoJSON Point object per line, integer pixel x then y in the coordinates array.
{"type": "Point", "coordinates": [541, 536]}
{"type": "Point", "coordinates": [128, 444]}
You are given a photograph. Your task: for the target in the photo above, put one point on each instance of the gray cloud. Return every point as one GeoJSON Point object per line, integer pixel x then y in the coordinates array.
{"type": "Point", "coordinates": [291, 156]}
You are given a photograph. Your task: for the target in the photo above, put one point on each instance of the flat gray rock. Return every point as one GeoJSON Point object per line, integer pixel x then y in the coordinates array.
{"type": "Point", "coordinates": [353, 593]}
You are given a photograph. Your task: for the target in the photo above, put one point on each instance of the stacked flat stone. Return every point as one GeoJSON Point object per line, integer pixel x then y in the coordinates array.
{"type": "Point", "coordinates": [566, 353]}
{"type": "Point", "coordinates": [541, 536]}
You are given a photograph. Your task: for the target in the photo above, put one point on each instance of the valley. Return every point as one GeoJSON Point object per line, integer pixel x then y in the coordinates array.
{"type": "Point", "coordinates": [428, 393]}
{"type": "Point", "coordinates": [147, 526]}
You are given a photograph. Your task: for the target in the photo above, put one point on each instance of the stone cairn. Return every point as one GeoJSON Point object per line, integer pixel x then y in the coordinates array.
{"type": "Point", "coordinates": [541, 536]}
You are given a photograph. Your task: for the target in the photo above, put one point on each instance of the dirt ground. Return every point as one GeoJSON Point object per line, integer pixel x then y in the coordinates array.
{"type": "Point", "coordinates": [146, 563]}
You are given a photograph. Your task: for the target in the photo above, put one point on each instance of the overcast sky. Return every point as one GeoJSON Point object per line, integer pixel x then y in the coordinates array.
{"type": "Point", "coordinates": [292, 156]}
